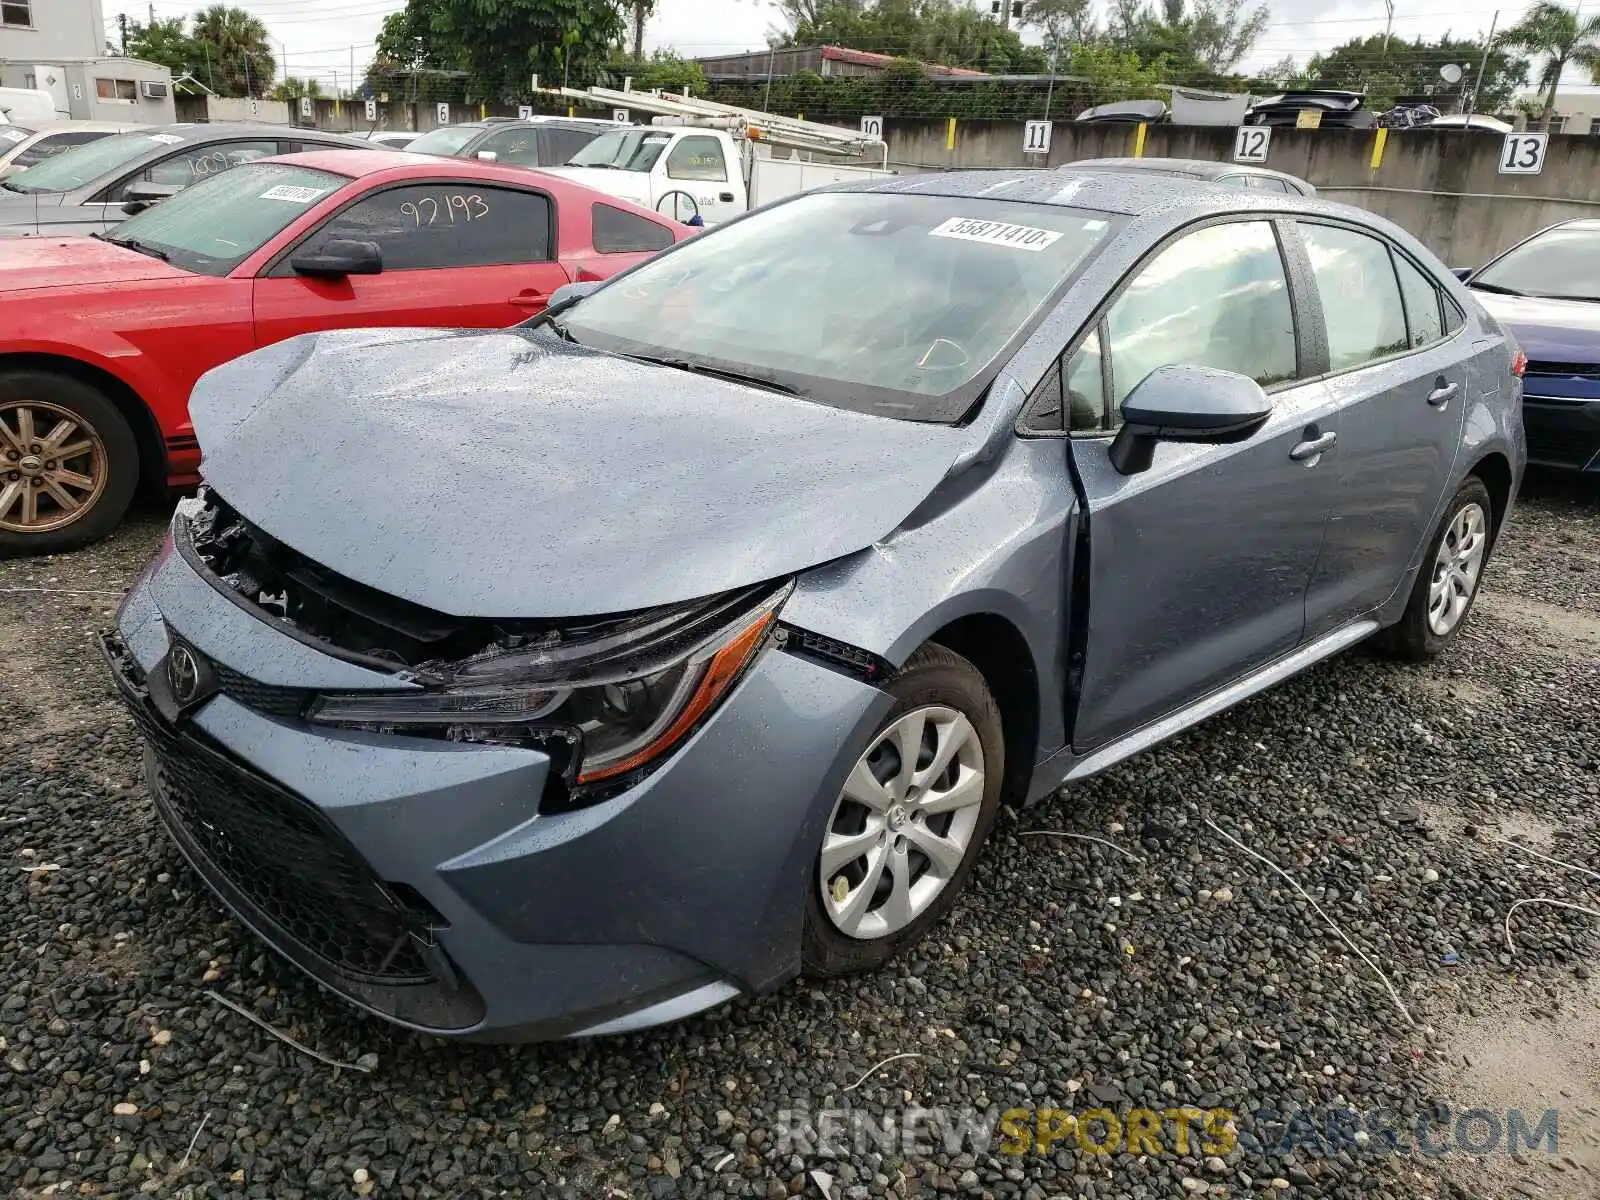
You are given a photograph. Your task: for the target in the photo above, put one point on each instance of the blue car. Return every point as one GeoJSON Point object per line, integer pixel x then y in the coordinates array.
{"type": "Point", "coordinates": [1546, 290]}
{"type": "Point", "coordinates": [576, 677]}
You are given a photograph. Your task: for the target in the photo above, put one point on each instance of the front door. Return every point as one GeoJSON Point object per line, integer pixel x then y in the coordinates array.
{"type": "Point", "coordinates": [1399, 376]}
{"type": "Point", "coordinates": [465, 256]}
{"type": "Point", "coordinates": [1199, 565]}
{"type": "Point", "coordinates": [697, 165]}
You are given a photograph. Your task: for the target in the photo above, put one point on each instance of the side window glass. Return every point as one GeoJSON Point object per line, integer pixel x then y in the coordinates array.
{"type": "Point", "coordinates": [1360, 295]}
{"type": "Point", "coordinates": [443, 225]}
{"type": "Point", "coordinates": [193, 164]}
{"type": "Point", "coordinates": [49, 147]}
{"type": "Point", "coordinates": [1422, 303]}
{"type": "Point", "coordinates": [619, 232]}
{"type": "Point", "coordinates": [1086, 393]}
{"type": "Point", "coordinates": [1454, 318]}
{"type": "Point", "coordinates": [1043, 411]}
{"type": "Point", "coordinates": [564, 143]}
{"type": "Point", "coordinates": [697, 158]}
{"type": "Point", "coordinates": [1215, 298]}
{"type": "Point", "coordinates": [517, 146]}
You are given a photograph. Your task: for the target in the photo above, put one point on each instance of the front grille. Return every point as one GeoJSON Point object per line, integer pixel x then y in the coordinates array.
{"type": "Point", "coordinates": [292, 876]}
{"type": "Point", "coordinates": [1561, 447]}
{"type": "Point", "coordinates": [1561, 370]}
{"type": "Point", "coordinates": [263, 697]}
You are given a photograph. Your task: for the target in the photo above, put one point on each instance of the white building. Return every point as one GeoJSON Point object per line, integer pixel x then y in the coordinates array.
{"type": "Point", "coordinates": [59, 46]}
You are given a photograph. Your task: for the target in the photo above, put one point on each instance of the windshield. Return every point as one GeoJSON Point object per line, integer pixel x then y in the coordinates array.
{"type": "Point", "coordinates": [446, 141]}
{"type": "Point", "coordinates": [886, 303]}
{"type": "Point", "coordinates": [1561, 263]}
{"type": "Point", "coordinates": [84, 164]}
{"type": "Point", "coordinates": [11, 136]}
{"type": "Point", "coordinates": [213, 226]}
{"type": "Point", "coordinates": [633, 150]}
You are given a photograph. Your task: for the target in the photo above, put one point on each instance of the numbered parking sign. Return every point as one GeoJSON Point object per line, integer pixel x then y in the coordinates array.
{"type": "Point", "coordinates": [1251, 142]}
{"type": "Point", "coordinates": [524, 112]}
{"type": "Point", "coordinates": [621, 116]}
{"type": "Point", "coordinates": [255, 108]}
{"type": "Point", "coordinates": [372, 110]}
{"type": "Point", "coordinates": [1523, 153]}
{"type": "Point", "coordinates": [444, 114]}
{"type": "Point", "coordinates": [872, 127]}
{"type": "Point", "coordinates": [305, 106]}
{"type": "Point", "coordinates": [1036, 137]}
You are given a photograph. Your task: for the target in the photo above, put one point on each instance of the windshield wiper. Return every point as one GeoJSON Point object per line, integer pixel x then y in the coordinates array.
{"type": "Point", "coordinates": [11, 187]}
{"type": "Point", "coordinates": [1494, 287]}
{"type": "Point", "coordinates": [694, 368]}
{"type": "Point", "coordinates": [137, 246]}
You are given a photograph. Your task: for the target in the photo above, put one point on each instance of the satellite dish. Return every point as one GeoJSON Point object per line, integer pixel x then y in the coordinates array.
{"type": "Point", "coordinates": [1450, 73]}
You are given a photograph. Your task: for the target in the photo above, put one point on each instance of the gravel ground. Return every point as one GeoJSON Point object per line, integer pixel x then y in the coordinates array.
{"type": "Point", "coordinates": [1172, 970]}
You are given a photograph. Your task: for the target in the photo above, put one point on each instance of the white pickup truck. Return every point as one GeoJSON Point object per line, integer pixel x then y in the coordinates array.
{"type": "Point", "coordinates": [709, 161]}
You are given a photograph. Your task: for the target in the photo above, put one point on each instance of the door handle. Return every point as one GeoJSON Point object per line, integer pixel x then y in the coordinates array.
{"type": "Point", "coordinates": [529, 299]}
{"type": "Point", "coordinates": [726, 197]}
{"type": "Point", "coordinates": [1313, 447]}
{"type": "Point", "coordinates": [1440, 396]}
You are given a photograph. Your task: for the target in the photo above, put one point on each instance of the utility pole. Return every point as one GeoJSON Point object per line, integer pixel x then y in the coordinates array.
{"type": "Point", "coordinates": [122, 24]}
{"type": "Point", "coordinates": [1388, 24]}
{"type": "Point", "coordinates": [1483, 66]}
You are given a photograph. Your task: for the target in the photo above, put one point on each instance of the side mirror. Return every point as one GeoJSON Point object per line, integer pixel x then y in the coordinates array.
{"type": "Point", "coordinates": [569, 294]}
{"type": "Point", "coordinates": [143, 194]}
{"type": "Point", "coordinates": [1462, 273]}
{"type": "Point", "coordinates": [488, 156]}
{"type": "Point", "coordinates": [339, 258]}
{"type": "Point", "coordinates": [1179, 403]}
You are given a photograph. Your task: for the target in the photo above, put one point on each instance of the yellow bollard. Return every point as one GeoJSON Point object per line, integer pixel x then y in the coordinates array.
{"type": "Point", "coordinates": [1378, 143]}
{"type": "Point", "coordinates": [950, 134]}
{"type": "Point", "coordinates": [1138, 141]}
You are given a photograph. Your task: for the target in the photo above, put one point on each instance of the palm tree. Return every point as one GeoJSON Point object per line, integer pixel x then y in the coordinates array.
{"type": "Point", "coordinates": [232, 44]}
{"type": "Point", "coordinates": [641, 13]}
{"type": "Point", "coordinates": [1561, 37]}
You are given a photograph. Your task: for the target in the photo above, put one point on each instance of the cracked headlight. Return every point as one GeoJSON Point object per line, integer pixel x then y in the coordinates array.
{"type": "Point", "coordinates": [609, 703]}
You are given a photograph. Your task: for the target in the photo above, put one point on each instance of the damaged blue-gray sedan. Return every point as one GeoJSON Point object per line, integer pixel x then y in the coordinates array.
{"type": "Point", "coordinates": [582, 676]}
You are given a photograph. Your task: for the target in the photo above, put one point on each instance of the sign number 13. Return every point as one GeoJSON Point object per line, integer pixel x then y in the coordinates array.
{"type": "Point", "coordinates": [1523, 153]}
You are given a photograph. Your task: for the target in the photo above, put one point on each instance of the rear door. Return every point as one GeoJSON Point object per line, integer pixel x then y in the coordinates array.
{"type": "Point", "coordinates": [1398, 374]}
{"type": "Point", "coordinates": [460, 254]}
{"type": "Point", "coordinates": [1198, 566]}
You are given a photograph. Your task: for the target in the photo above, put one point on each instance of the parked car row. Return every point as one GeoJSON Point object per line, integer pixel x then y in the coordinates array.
{"type": "Point", "coordinates": [575, 677]}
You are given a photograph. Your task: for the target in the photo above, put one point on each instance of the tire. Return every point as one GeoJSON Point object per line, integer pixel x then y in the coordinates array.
{"type": "Point", "coordinates": [949, 695]}
{"type": "Point", "coordinates": [38, 403]}
{"type": "Point", "coordinates": [1416, 637]}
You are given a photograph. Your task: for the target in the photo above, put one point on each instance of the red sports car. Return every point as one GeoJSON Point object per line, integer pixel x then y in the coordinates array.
{"type": "Point", "coordinates": [102, 338]}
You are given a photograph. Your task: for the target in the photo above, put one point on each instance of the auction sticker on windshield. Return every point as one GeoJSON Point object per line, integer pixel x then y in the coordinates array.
{"type": "Point", "coordinates": [295, 195]}
{"type": "Point", "coordinates": [11, 135]}
{"type": "Point", "coordinates": [166, 139]}
{"type": "Point", "coordinates": [1000, 233]}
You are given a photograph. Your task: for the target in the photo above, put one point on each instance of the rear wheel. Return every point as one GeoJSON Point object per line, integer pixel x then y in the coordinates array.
{"type": "Point", "coordinates": [68, 463]}
{"type": "Point", "coordinates": [906, 828]}
{"type": "Point", "coordinates": [1447, 585]}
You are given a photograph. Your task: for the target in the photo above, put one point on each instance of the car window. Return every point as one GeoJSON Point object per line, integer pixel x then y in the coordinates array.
{"type": "Point", "coordinates": [519, 146]}
{"type": "Point", "coordinates": [1217, 297]}
{"type": "Point", "coordinates": [1422, 302]}
{"type": "Point", "coordinates": [52, 144]}
{"type": "Point", "coordinates": [11, 135]}
{"type": "Point", "coordinates": [1360, 295]}
{"type": "Point", "coordinates": [426, 226]}
{"type": "Point", "coordinates": [564, 143]}
{"type": "Point", "coordinates": [1454, 318]}
{"type": "Point", "coordinates": [1237, 181]}
{"type": "Point", "coordinates": [698, 158]}
{"type": "Point", "coordinates": [623, 150]}
{"type": "Point", "coordinates": [895, 304]}
{"type": "Point", "coordinates": [1266, 183]}
{"type": "Point", "coordinates": [620, 232]}
{"type": "Point", "coordinates": [1087, 409]}
{"type": "Point", "coordinates": [191, 165]}
{"type": "Point", "coordinates": [84, 164]}
{"type": "Point", "coordinates": [445, 141]}
{"type": "Point", "coordinates": [215, 225]}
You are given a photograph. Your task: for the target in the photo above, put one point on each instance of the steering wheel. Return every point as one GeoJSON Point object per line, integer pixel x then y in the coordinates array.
{"type": "Point", "coordinates": [677, 206]}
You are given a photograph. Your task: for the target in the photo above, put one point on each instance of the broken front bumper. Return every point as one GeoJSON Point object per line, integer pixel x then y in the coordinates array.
{"type": "Point", "coordinates": [418, 879]}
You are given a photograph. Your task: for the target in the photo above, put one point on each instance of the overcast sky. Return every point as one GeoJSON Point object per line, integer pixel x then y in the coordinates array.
{"type": "Point", "coordinates": [319, 37]}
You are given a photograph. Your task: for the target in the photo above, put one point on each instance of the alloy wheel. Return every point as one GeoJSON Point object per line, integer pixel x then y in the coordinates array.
{"type": "Point", "coordinates": [52, 466]}
{"type": "Point", "coordinates": [1456, 568]}
{"type": "Point", "coordinates": [903, 824]}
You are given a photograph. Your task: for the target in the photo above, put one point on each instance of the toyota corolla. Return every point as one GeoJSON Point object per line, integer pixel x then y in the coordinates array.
{"type": "Point", "coordinates": [581, 676]}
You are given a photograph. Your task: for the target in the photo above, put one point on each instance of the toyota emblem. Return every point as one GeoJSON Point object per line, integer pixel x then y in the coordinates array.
{"type": "Point", "coordinates": [183, 674]}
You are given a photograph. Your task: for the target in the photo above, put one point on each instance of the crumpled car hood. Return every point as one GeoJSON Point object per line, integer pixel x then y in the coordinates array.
{"type": "Point", "coordinates": [514, 475]}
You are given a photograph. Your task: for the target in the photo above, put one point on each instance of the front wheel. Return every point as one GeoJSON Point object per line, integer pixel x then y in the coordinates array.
{"type": "Point", "coordinates": [1447, 585]}
{"type": "Point", "coordinates": [68, 463]}
{"type": "Point", "coordinates": [907, 826]}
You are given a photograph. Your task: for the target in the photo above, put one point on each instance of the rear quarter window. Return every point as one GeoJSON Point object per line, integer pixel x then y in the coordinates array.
{"type": "Point", "coordinates": [619, 232]}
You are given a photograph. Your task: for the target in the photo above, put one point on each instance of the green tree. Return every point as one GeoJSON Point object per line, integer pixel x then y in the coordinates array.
{"type": "Point", "coordinates": [1559, 36]}
{"type": "Point", "coordinates": [1387, 71]}
{"type": "Point", "coordinates": [1111, 74]}
{"type": "Point", "coordinates": [664, 69]}
{"type": "Point", "coordinates": [293, 89]}
{"type": "Point", "coordinates": [166, 42]}
{"type": "Point", "coordinates": [639, 11]}
{"type": "Point", "coordinates": [231, 51]}
{"type": "Point", "coordinates": [1201, 41]}
{"type": "Point", "coordinates": [504, 42]}
{"type": "Point", "coordinates": [1063, 24]}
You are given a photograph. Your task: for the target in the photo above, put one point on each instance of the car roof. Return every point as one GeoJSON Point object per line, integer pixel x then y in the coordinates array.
{"type": "Point", "coordinates": [1199, 167]}
{"type": "Point", "coordinates": [65, 126]}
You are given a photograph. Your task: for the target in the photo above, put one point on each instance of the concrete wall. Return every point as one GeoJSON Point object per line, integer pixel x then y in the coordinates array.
{"type": "Point", "coordinates": [1442, 185]}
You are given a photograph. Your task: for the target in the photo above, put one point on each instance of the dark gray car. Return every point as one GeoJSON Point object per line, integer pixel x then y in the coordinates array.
{"type": "Point", "coordinates": [539, 142]}
{"type": "Point", "coordinates": [793, 553]}
{"type": "Point", "coordinates": [83, 190]}
{"type": "Point", "coordinates": [1241, 175]}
